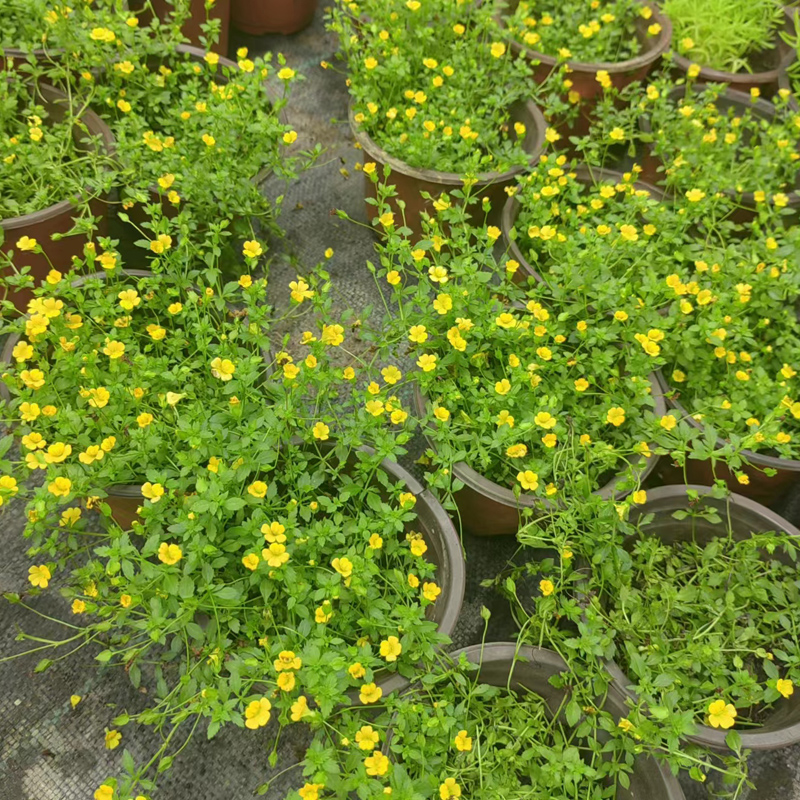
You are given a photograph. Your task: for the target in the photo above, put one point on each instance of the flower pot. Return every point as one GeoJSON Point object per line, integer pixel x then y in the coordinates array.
{"type": "Point", "coordinates": [410, 181]}
{"type": "Point", "coordinates": [782, 726]}
{"type": "Point", "coordinates": [444, 550]}
{"type": "Point", "coordinates": [486, 508]}
{"type": "Point", "coordinates": [57, 218]}
{"type": "Point", "coordinates": [584, 75]}
{"type": "Point", "coordinates": [766, 69]}
{"type": "Point", "coordinates": [192, 29]}
{"type": "Point", "coordinates": [741, 103]}
{"type": "Point", "coordinates": [522, 668]}
{"type": "Point", "coordinates": [762, 488]}
{"type": "Point", "coordinates": [258, 17]}
{"type": "Point", "coordinates": [587, 176]}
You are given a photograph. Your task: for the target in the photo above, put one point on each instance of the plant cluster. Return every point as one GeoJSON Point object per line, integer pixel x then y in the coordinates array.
{"type": "Point", "coordinates": [433, 83]}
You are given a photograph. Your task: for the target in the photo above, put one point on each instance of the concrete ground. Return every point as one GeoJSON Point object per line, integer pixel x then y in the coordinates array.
{"type": "Point", "coordinates": [49, 751]}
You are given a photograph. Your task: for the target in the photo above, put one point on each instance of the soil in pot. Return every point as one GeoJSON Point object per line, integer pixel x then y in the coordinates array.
{"type": "Point", "coordinates": [89, 135]}
{"type": "Point", "coordinates": [514, 733]}
{"type": "Point", "coordinates": [693, 154]}
{"type": "Point", "coordinates": [762, 69]}
{"type": "Point", "coordinates": [642, 39]}
{"type": "Point", "coordinates": [258, 17]}
{"type": "Point", "coordinates": [710, 597]}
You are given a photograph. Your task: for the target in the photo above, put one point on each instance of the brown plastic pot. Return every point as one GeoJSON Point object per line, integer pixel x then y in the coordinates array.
{"type": "Point", "coordinates": [58, 218]}
{"type": "Point", "coordinates": [444, 549]}
{"type": "Point", "coordinates": [410, 181]}
{"type": "Point", "coordinates": [584, 74]}
{"type": "Point", "coordinates": [486, 508]}
{"type": "Point", "coordinates": [587, 176]}
{"type": "Point", "coordinates": [523, 668]}
{"type": "Point", "coordinates": [740, 103]}
{"type": "Point", "coordinates": [782, 726]}
{"type": "Point", "coordinates": [776, 60]}
{"type": "Point", "coordinates": [762, 488]}
{"type": "Point", "coordinates": [258, 17]}
{"type": "Point", "coordinates": [192, 29]}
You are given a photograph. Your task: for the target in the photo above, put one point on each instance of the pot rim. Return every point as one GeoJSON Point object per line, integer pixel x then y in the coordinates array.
{"type": "Point", "coordinates": [707, 736]}
{"type": "Point", "coordinates": [757, 459]}
{"type": "Point", "coordinates": [454, 179]}
{"type": "Point", "coordinates": [585, 175]}
{"type": "Point", "coordinates": [499, 494]}
{"type": "Point", "coordinates": [644, 59]}
{"type": "Point", "coordinates": [733, 78]}
{"type": "Point", "coordinates": [96, 127]}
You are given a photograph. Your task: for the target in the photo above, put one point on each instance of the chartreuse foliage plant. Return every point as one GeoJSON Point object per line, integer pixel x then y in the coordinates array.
{"type": "Point", "coordinates": [585, 32]}
{"type": "Point", "coordinates": [729, 36]}
{"type": "Point", "coordinates": [432, 83]}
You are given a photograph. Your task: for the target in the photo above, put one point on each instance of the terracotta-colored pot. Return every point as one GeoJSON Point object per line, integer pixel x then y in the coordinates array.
{"type": "Point", "coordinates": [775, 60]}
{"type": "Point", "coordinates": [58, 218]}
{"type": "Point", "coordinates": [744, 517]}
{"type": "Point", "coordinates": [587, 176]}
{"type": "Point", "coordinates": [741, 103]}
{"type": "Point", "coordinates": [768, 491]}
{"type": "Point", "coordinates": [486, 508]}
{"type": "Point", "coordinates": [409, 181]}
{"type": "Point", "coordinates": [192, 30]}
{"type": "Point", "coordinates": [530, 669]}
{"type": "Point", "coordinates": [584, 74]}
{"type": "Point", "coordinates": [258, 17]}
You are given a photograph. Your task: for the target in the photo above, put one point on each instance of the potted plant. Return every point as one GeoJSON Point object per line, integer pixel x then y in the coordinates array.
{"type": "Point", "coordinates": [711, 140]}
{"type": "Point", "coordinates": [55, 181]}
{"type": "Point", "coordinates": [732, 670]}
{"type": "Point", "coordinates": [492, 720]}
{"type": "Point", "coordinates": [201, 22]}
{"type": "Point", "coordinates": [265, 532]}
{"type": "Point", "coordinates": [588, 48]}
{"type": "Point", "coordinates": [730, 365]}
{"type": "Point", "coordinates": [518, 389]}
{"type": "Point", "coordinates": [432, 128]}
{"type": "Point", "coordinates": [258, 17]}
{"type": "Point", "coordinates": [617, 237]}
{"type": "Point", "coordinates": [741, 44]}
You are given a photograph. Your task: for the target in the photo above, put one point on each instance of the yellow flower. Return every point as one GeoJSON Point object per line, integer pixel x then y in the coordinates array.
{"type": "Point", "coordinates": [463, 742]}
{"type": "Point", "coordinates": [528, 480]}
{"type": "Point", "coordinates": [502, 387]}
{"type": "Point", "coordinates": [104, 792]}
{"type": "Point", "coordinates": [257, 489]}
{"type": "Point", "coordinates": [169, 553]}
{"type": "Point", "coordinates": [27, 244]}
{"type": "Point", "coordinates": [102, 35]}
{"type": "Point", "coordinates": [625, 725]}
{"type": "Point", "coordinates": [516, 451]}
{"type": "Point", "coordinates": [581, 385]}
{"type": "Point", "coordinates": [251, 561]}
{"type": "Point", "coordinates": [391, 374]}
{"type": "Point", "coordinates": [784, 687]}
{"type": "Point", "coordinates": [449, 789]}
{"type": "Point", "coordinates": [60, 487]}
{"type": "Point", "coordinates": [332, 335]}
{"type": "Point", "coordinates": [223, 368]}
{"type": "Point", "coordinates": [161, 243]}
{"type": "Point", "coordinates": [443, 303]}
{"type": "Point", "coordinates": [209, 140]}
{"type": "Point", "coordinates": [418, 334]}
{"type": "Point", "coordinates": [252, 249]}
{"type": "Point", "coordinates": [370, 693]}
{"type": "Point", "coordinates": [129, 299]}
{"type": "Point", "coordinates": [639, 497]}
{"type": "Point", "coordinates": [144, 419]}
{"type": "Point", "coordinates": [39, 576]}
{"type": "Point", "coordinates": [390, 650]}
{"type": "Point", "coordinates": [367, 738]}
{"type": "Point", "coordinates": [275, 555]}
{"type": "Point", "coordinates": [721, 714]}
{"type": "Point", "coordinates": [617, 135]}
{"type": "Point", "coordinates": [427, 362]}
{"type": "Point", "coordinates": [300, 709]}
{"type": "Point", "coordinates": [430, 591]}
{"type": "Point", "coordinates": [375, 541]}
{"type": "Point", "coordinates": [377, 763]}
{"type": "Point", "coordinates": [356, 671]}
{"type": "Point", "coordinates": [546, 587]}
{"type": "Point", "coordinates": [321, 431]}
{"type": "Point", "coordinates": [257, 714]}
{"type": "Point", "coordinates": [112, 739]}
{"type": "Point", "coordinates": [545, 420]}
{"type": "Point", "coordinates": [628, 232]}
{"type": "Point", "coordinates": [498, 49]}
{"type": "Point", "coordinates": [441, 413]}
{"type": "Point", "coordinates": [114, 349]}
{"type": "Point", "coordinates": [286, 681]}
{"type": "Point", "coordinates": [506, 320]}
{"type": "Point", "coordinates": [370, 62]}
{"type": "Point", "coordinates": [695, 195]}
{"type": "Point", "coordinates": [615, 416]}
{"type": "Point", "coordinates": [290, 137]}
{"type": "Point", "coordinates": [152, 491]}
{"type": "Point", "coordinates": [343, 566]}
